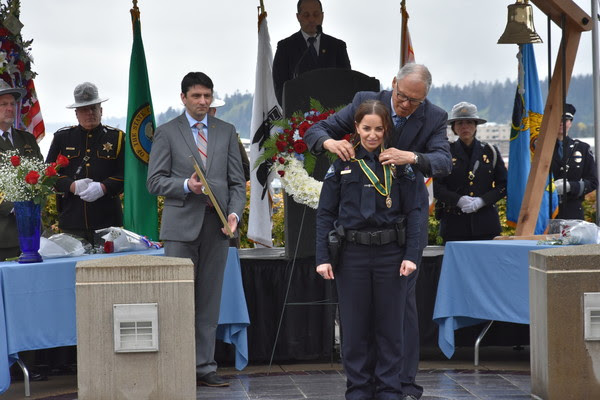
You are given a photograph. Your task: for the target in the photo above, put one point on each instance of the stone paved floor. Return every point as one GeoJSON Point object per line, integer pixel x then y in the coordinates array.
{"type": "Point", "coordinates": [330, 385]}
{"type": "Point", "coordinates": [503, 374]}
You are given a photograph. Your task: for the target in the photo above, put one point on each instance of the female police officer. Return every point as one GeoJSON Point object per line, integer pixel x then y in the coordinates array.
{"type": "Point", "coordinates": [466, 198]}
{"type": "Point", "coordinates": [375, 210]}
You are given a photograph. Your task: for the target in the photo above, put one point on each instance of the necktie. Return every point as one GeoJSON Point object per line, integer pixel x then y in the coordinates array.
{"type": "Point", "coordinates": [399, 121]}
{"type": "Point", "coordinates": [202, 142]}
{"type": "Point", "coordinates": [560, 149]}
{"type": "Point", "coordinates": [368, 192]}
{"type": "Point", "coordinates": [311, 47]}
{"type": "Point", "coordinates": [5, 137]}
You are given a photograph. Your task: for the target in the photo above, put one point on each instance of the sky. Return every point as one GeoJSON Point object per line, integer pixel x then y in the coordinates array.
{"type": "Point", "coordinates": [84, 40]}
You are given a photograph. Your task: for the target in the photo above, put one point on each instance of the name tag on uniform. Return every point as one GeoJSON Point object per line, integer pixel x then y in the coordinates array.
{"type": "Point", "coordinates": [69, 148]}
{"type": "Point", "coordinates": [346, 171]}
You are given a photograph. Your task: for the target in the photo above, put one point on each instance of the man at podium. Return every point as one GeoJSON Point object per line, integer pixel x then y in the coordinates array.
{"type": "Point", "coordinates": [307, 49]}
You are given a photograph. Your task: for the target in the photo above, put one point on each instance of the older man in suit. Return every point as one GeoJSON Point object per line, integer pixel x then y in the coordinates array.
{"type": "Point", "coordinates": [191, 227]}
{"type": "Point", "coordinates": [418, 139]}
{"type": "Point", "coordinates": [26, 145]}
{"type": "Point", "coordinates": [307, 49]}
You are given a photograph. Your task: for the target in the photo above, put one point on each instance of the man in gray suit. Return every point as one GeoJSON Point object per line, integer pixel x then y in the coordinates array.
{"type": "Point", "coordinates": [191, 227]}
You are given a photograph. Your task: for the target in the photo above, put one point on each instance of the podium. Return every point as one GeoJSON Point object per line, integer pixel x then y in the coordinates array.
{"type": "Point", "coordinates": [332, 87]}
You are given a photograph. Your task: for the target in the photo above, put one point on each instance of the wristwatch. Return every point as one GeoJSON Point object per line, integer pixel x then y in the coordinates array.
{"type": "Point", "coordinates": [416, 158]}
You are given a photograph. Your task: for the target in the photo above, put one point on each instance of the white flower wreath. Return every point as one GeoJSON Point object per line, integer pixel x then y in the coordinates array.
{"type": "Point", "coordinates": [296, 181]}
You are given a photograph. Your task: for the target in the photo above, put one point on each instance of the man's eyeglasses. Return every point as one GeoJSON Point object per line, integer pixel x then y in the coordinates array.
{"type": "Point", "coordinates": [400, 96]}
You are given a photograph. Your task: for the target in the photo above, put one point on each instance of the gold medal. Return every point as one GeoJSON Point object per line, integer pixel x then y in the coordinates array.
{"type": "Point", "coordinates": [388, 201]}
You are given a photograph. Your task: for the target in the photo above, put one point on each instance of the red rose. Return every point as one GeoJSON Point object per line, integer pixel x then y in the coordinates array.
{"type": "Point", "coordinates": [4, 32]}
{"type": "Point", "coordinates": [6, 46]}
{"type": "Point", "coordinates": [32, 177]}
{"type": "Point", "coordinates": [300, 147]}
{"type": "Point", "coordinates": [281, 173]}
{"type": "Point", "coordinates": [290, 150]}
{"type": "Point", "coordinates": [281, 146]}
{"type": "Point", "coordinates": [15, 161]}
{"type": "Point", "coordinates": [347, 137]}
{"type": "Point", "coordinates": [303, 128]}
{"type": "Point", "coordinates": [50, 171]}
{"type": "Point", "coordinates": [280, 137]}
{"type": "Point", "coordinates": [53, 165]}
{"type": "Point", "coordinates": [274, 158]}
{"type": "Point", "coordinates": [62, 161]}
{"type": "Point", "coordinates": [281, 160]}
{"type": "Point", "coordinates": [20, 65]}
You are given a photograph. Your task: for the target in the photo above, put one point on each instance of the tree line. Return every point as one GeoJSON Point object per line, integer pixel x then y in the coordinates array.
{"type": "Point", "coordinates": [493, 99]}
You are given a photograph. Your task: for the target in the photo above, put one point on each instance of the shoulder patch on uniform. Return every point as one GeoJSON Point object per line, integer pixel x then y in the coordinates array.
{"type": "Point", "coordinates": [330, 172]}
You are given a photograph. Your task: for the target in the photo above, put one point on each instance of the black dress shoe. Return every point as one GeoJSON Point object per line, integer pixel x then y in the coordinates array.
{"type": "Point", "coordinates": [35, 377]}
{"type": "Point", "coordinates": [211, 379]}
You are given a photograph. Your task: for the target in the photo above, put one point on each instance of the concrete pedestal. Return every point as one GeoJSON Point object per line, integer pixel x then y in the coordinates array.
{"type": "Point", "coordinates": [170, 372]}
{"type": "Point", "coordinates": [563, 364]}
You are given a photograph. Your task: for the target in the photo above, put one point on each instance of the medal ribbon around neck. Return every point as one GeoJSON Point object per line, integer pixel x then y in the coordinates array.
{"type": "Point", "coordinates": [384, 189]}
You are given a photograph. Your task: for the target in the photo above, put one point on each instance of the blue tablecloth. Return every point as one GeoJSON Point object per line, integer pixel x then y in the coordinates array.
{"type": "Point", "coordinates": [485, 280]}
{"type": "Point", "coordinates": [37, 307]}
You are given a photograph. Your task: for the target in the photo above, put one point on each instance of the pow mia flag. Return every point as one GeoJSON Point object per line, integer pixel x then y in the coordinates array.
{"type": "Point", "coordinates": [265, 110]}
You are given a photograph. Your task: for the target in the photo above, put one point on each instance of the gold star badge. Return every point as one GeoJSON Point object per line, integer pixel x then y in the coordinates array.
{"type": "Point", "coordinates": [107, 146]}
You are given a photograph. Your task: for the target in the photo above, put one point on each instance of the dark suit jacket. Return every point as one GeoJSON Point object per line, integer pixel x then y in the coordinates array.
{"type": "Point", "coordinates": [25, 143]}
{"type": "Point", "coordinates": [424, 132]}
{"type": "Point", "coordinates": [287, 63]}
{"type": "Point", "coordinates": [170, 166]}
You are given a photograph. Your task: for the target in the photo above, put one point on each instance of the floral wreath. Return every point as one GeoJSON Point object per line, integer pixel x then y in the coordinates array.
{"type": "Point", "coordinates": [288, 154]}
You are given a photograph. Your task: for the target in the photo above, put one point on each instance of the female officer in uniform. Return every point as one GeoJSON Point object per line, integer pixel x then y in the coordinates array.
{"type": "Point", "coordinates": [466, 198]}
{"type": "Point", "coordinates": [375, 210]}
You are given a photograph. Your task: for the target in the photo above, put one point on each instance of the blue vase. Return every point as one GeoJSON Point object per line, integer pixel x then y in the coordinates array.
{"type": "Point", "coordinates": [29, 224]}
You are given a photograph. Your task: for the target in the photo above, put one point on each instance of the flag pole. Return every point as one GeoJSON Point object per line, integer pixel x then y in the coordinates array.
{"type": "Point", "coordinates": [404, 28]}
{"type": "Point", "coordinates": [262, 14]}
{"type": "Point", "coordinates": [135, 12]}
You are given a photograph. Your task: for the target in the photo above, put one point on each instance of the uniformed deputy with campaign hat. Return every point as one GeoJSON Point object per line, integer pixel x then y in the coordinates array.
{"type": "Point", "coordinates": [466, 199]}
{"type": "Point", "coordinates": [375, 209]}
{"type": "Point", "coordinates": [92, 182]}
{"type": "Point", "coordinates": [574, 170]}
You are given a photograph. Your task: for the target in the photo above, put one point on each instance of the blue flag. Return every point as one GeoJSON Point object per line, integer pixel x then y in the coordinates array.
{"type": "Point", "coordinates": [526, 122]}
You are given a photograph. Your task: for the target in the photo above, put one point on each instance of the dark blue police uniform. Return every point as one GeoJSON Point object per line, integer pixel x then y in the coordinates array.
{"type": "Point", "coordinates": [371, 291]}
{"type": "Point", "coordinates": [477, 171]}
{"type": "Point", "coordinates": [580, 171]}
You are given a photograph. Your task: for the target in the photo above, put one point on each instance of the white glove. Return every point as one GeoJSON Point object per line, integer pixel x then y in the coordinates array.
{"type": "Point", "coordinates": [92, 193]}
{"type": "Point", "coordinates": [81, 185]}
{"type": "Point", "coordinates": [463, 201]}
{"type": "Point", "coordinates": [475, 205]}
{"type": "Point", "coordinates": [560, 186]}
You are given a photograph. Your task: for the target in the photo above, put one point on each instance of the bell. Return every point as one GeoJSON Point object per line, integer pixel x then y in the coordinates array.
{"type": "Point", "coordinates": [520, 29]}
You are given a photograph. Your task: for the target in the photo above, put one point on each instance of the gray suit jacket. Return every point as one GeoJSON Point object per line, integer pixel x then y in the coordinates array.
{"type": "Point", "coordinates": [170, 165]}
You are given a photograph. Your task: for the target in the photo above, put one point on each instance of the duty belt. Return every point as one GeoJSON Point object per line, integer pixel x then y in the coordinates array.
{"type": "Point", "coordinates": [376, 238]}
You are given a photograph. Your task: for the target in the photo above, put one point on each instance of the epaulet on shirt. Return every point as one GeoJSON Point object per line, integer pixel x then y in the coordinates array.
{"type": "Point", "coordinates": [112, 128]}
{"type": "Point", "coordinates": [66, 128]}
